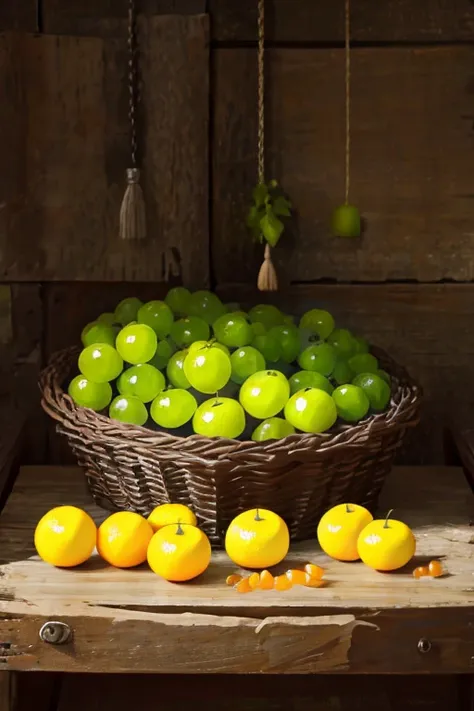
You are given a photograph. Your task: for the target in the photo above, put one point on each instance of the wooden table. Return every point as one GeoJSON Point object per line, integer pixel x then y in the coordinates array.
{"type": "Point", "coordinates": [132, 621]}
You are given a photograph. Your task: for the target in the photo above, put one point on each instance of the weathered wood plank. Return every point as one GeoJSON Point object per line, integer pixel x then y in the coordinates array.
{"type": "Point", "coordinates": [108, 692]}
{"type": "Point", "coordinates": [107, 18]}
{"type": "Point", "coordinates": [20, 15]}
{"type": "Point", "coordinates": [61, 223]}
{"type": "Point", "coordinates": [410, 178]}
{"type": "Point", "coordinates": [425, 327]}
{"type": "Point", "coordinates": [7, 680]}
{"type": "Point", "coordinates": [287, 20]}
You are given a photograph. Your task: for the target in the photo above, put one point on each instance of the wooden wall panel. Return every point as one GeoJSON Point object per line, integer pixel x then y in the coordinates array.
{"type": "Point", "coordinates": [323, 20]}
{"type": "Point", "coordinates": [61, 221]}
{"type": "Point", "coordinates": [412, 148]}
{"type": "Point", "coordinates": [18, 15]}
{"type": "Point", "coordinates": [107, 18]}
{"type": "Point", "coordinates": [425, 327]}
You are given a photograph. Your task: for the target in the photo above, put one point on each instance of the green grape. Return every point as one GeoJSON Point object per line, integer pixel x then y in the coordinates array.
{"type": "Point", "coordinates": [273, 428]}
{"type": "Point", "coordinates": [269, 347]}
{"type": "Point", "coordinates": [377, 390]}
{"type": "Point", "coordinates": [178, 299]}
{"type": "Point", "coordinates": [137, 343]}
{"type": "Point", "coordinates": [108, 318]}
{"type": "Point", "coordinates": [208, 370]}
{"type": "Point", "coordinates": [212, 343]}
{"type": "Point", "coordinates": [219, 417]}
{"type": "Point", "coordinates": [384, 375]}
{"type": "Point", "coordinates": [289, 340]}
{"type": "Point", "coordinates": [85, 393]}
{"type": "Point", "coordinates": [311, 410]}
{"type": "Point", "coordinates": [128, 409]}
{"type": "Point", "coordinates": [97, 332]}
{"type": "Point", "coordinates": [233, 331]}
{"type": "Point", "coordinates": [164, 351]}
{"type": "Point", "coordinates": [318, 321]}
{"type": "Point", "coordinates": [320, 358]}
{"type": "Point", "coordinates": [360, 345]}
{"type": "Point", "coordinates": [142, 381]}
{"type": "Point", "coordinates": [100, 363]}
{"type": "Point", "coordinates": [342, 372]}
{"type": "Point", "coordinates": [264, 394]}
{"type": "Point", "coordinates": [175, 370]}
{"type": "Point", "coordinates": [267, 314]}
{"type": "Point", "coordinates": [245, 362]}
{"type": "Point", "coordinates": [307, 338]}
{"type": "Point", "coordinates": [363, 363]}
{"type": "Point", "coordinates": [173, 408]}
{"type": "Point", "coordinates": [158, 316]}
{"type": "Point", "coordinates": [127, 310]}
{"type": "Point", "coordinates": [206, 306]}
{"type": "Point", "coordinates": [190, 329]}
{"type": "Point", "coordinates": [258, 329]}
{"type": "Point", "coordinates": [309, 379]}
{"type": "Point", "coordinates": [238, 312]}
{"type": "Point", "coordinates": [343, 341]}
{"type": "Point", "coordinates": [351, 402]}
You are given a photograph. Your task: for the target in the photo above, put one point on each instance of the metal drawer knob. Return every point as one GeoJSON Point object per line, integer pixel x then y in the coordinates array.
{"type": "Point", "coordinates": [55, 633]}
{"type": "Point", "coordinates": [424, 645]}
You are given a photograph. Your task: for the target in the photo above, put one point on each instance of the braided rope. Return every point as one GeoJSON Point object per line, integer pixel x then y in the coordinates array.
{"type": "Point", "coordinates": [261, 91]}
{"type": "Point", "coordinates": [348, 97]}
{"type": "Point", "coordinates": [132, 78]}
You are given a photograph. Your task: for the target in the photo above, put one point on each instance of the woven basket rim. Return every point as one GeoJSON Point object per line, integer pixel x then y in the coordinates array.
{"type": "Point", "coordinates": [403, 412]}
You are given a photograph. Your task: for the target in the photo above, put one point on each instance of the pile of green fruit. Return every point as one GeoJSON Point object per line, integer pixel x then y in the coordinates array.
{"type": "Point", "coordinates": [190, 364]}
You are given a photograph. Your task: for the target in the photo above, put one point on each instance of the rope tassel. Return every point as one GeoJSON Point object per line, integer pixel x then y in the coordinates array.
{"type": "Point", "coordinates": [132, 211]}
{"type": "Point", "coordinates": [267, 276]}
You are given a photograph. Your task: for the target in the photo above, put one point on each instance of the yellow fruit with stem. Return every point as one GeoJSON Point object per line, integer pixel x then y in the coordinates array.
{"type": "Point", "coordinates": [179, 552]}
{"type": "Point", "coordinates": [257, 538]}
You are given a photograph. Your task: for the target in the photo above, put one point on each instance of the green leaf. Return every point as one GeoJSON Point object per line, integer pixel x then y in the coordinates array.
{"type": "Point", "coordinates": [254, 216]}
{"type": "Point", "coordinates": [273, 183]}
{"type": "Point", "coordinates": [282, 206]}
{"type": "Point", "coordinates": [271, 227]}
{"type": "Point", "coordinates": [260, 192]}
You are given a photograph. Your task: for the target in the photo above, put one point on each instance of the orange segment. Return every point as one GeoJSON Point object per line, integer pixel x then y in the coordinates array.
{"type": "Point", "coordinates": [314, 571]}
{"type": "Point", "coordinates": [313, 582]}
{"type": "Point", "coordinates": [297, 577]}
{"type": "Point", "coordinates": [233, 579]}
{"type": "Point", "coordinates": [282, 583]}
{"type": "Point", "coordinates": [435, 569]}
{"type": "Point", "coordinates": [266, 580]}
{"type": "Point", "coordinates": [243, 586]}
{"type": "Point", "coordinates": [421, 572]}
{"type": "Point", "coordinates": [254, 580]}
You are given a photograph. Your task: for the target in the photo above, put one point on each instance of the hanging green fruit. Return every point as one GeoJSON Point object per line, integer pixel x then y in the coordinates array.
{"type": "Point", "coordinates": [346, 221]}
{"type": "Point", "coordinates": [268, 207]}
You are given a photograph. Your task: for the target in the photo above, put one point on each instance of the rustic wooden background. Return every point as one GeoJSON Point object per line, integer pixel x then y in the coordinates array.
{"type": "Point", "coordinates": [406, 284]}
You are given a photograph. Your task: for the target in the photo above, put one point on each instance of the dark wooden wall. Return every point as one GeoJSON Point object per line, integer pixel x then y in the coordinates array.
{"type": "Point", "coordinates": [406, 284]}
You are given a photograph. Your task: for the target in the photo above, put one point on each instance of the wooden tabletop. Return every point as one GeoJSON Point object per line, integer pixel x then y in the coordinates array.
{"type": "Point", "coordinates": [133, 621]}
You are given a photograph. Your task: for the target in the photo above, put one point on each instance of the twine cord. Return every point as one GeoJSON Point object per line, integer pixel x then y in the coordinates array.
{"type": "Point", "coordinates": [347, 29]}
{"type": "Point", "coordinates": [132, 79]}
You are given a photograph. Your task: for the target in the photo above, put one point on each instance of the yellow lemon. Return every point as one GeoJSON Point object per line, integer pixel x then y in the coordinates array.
{"type": "Point", "coordinates": [65, 536]}
{"type": "Point", "coordinates": [339, 529]}
{"type": "Point", "coordinates": [386, 544]}
{"type": "Point", "coordinates": [123, 539]}
{"type": "Point", "coordinates": [171, 513]}
{"type": "Point", "coordinates": [179, 552]}
{"type": "Point", "coordinates": [257, 539]}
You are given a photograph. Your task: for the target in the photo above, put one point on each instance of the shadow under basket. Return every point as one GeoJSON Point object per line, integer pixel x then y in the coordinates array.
{"type": "Point", "coordinates": [133, 468]}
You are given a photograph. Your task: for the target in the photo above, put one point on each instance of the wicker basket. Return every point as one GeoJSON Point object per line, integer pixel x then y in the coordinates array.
{"type": "Point", "coordinates": [299, 477]}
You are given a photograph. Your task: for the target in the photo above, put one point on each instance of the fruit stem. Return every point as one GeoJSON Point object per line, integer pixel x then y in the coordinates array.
{"type": "Point", "coordinates": [348, 509]}
{"type": "Point", "coordinates": [179, 530]}
{"type": "Point", "coordinates": [257, 515]}
{"type": "Point", "coordinates": [386, 519]}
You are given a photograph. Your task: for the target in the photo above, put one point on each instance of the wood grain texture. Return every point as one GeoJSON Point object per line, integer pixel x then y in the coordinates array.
{"type": "Point", "coordinates": [7, 691]}
{"type": "Point", "coordinates": [309, 21]}
{"type": "Point", "coordinates": [107, 692]}
{"type": "Point", "coordinates": [107, 18]}
{"type": "Point", "coordinates": [411, 179]}
{"type": "Point", "coordinates": [19, 15]}
{"type": "Point", "coordinates": [60, 213]}
{"type": "Point", "coordinates": [361, 621]}
{"type": "Point", "coordinates": [424, 327]}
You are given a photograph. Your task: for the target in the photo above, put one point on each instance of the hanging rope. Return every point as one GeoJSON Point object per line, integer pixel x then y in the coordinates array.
{"type": "Point", "coordinates": [132, 211]}
{"type": "Point", "coordinates": [267, 278]}
{"type": "Point", "coordinates": [347, 37]}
